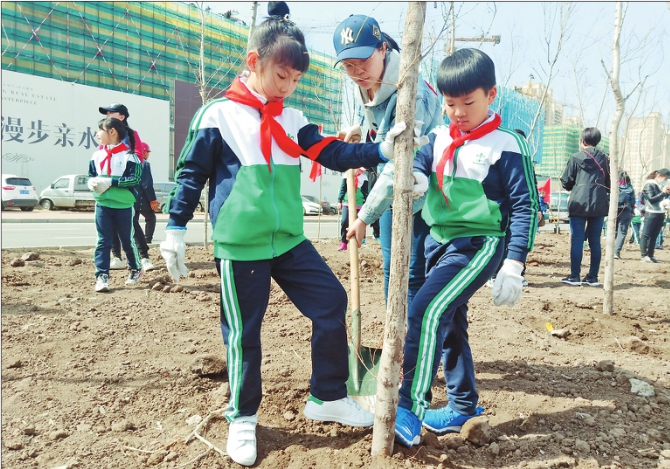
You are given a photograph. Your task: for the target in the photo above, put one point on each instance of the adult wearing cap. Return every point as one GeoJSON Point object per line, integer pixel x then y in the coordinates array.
{"type": "Point", "coordinates": [655, 191]}
{"type": "Point", "coordinates": [372, 60]}
{"type": "Point", "coordinates": [119, 111]}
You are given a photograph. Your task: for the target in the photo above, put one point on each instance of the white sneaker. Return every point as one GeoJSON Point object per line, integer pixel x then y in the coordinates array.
{"type": "Point", "coordinates": [491, 282]}
{"type": "Point", "coordinates": [102, 283]}
{"type": "Point", "coordinates": [117, 264]}
{"type": "Point", "coordinates": [147, 264]}
{"type": "Point", "coordinates": [524, 283]}
{"type": "Point", "coordinates": [241, 446]}
{"type": "Point", "coordinates": [345, 411]}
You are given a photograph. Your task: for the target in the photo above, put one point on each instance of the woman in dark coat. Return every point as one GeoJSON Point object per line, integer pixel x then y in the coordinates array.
{"type": "Point", "coordinates": [587, 177]}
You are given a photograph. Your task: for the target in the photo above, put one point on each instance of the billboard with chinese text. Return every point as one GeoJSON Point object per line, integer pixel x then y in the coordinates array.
{"type": "Point", "coordinates": [49, 126]}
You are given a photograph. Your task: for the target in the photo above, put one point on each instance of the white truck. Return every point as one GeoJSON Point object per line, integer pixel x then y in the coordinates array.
{"type": "Point", "coordinates": [69, 191]}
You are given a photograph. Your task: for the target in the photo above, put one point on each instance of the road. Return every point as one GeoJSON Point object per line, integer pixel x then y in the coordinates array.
{"type": "Point", "coordinates": [42, 229]}
{"type": "Point", "coordinates": [52, 232]}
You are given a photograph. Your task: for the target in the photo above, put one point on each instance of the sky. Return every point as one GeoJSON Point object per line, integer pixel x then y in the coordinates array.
{"type": "Point", "coordinates": [578, 79]}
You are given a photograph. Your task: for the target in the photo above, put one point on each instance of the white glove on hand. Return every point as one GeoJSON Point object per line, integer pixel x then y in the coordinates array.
{"type": "Point", "coordinates": [92, 183]}
{"type": "Point", "coordinates": [419, 140]}
{"type": "Point", "coordinates": [173, 250]}
{"type": "Point", "coordinates": [420, 184]}
{"type": "Point", "coordinates": [386, 147]}
{"type": "Point", "coordinates": [508, 284]}
{"type": "Point", "coordinates": [101, 184]}
{"type": "Point", "coordinates": [353, 134]}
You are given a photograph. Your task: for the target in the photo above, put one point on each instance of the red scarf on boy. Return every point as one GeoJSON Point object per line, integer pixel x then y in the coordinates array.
{"type": "Point", "coordinates": [270, 128]}
{"type": "Point", "coordinates": [107, 160]}
{"type": "Point", "coordinates": [458, 140]}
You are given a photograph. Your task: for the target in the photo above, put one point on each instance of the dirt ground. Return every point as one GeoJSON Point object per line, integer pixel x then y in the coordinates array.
{"type": "Point", "coordinates": [119, 380]}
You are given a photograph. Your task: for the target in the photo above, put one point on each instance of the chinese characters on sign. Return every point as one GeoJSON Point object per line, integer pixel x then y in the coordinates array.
{"type": "Point", "coordinates": [13, 130]}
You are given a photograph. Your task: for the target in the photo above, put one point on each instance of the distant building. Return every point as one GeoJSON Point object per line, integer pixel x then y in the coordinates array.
{"type": "Point", "coordinates": [574, 121]}
{"type": "Point", "coordinates": [646, 147]}
{"type": "Point", "coordinates": [553, 111]}
{"type": "Point", "coordinates": [561, 141]}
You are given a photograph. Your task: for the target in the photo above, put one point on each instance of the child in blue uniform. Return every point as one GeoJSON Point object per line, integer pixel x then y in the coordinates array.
{"type": "Point", "coordinates": [113, 171]}
{"type": "Point", "coordinates": [481, 183]}
{"type": "Point", "coordinates": [248, 145]}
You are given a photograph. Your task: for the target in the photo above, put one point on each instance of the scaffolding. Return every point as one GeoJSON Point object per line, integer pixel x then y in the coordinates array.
{"type": "Point", "coordinates": [143, 47]}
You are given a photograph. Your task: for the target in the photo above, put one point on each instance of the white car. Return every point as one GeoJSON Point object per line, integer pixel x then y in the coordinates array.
{"type": "Point", "coordinates": [309, 207]}
{"type": "Point", "coordinates": [19, 192]}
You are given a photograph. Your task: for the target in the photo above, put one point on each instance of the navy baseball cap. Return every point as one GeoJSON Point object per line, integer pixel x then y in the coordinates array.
{"type": "Point", "coordinates": [357, 37]}
{"type": "Point", "coordinates": [115, 107]}
{"type": "Point", "coordinates": [665, 172]}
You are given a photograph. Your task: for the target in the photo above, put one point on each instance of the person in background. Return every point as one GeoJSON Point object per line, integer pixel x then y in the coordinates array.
{"type": "Point", "coordinates": [587, 178]}
{"type": "Point", "coordinates": [361, 182]}
{"type": "Point", "coordinates": [114, 170]}
{"type": "Point", "coordinates": [636, 221]}
{"type": "Point", "coordinates": [120, 112]}
{"type": "Point", "coordinates": [147, 204]}
{"type": "Point", "coordinates": [655, 191]}
{"type": "Point", "coordinates": [625, 211]}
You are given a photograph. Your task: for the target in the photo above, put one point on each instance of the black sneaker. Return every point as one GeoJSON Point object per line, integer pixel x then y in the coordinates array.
{"type": "Point", "coordinates": [570, 280]}
{"type": "Point", "coordinates": [654, 260]}
{"type": "Point", "coordinates": [591, 282]}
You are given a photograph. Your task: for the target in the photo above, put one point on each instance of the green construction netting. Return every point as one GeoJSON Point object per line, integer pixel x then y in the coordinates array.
{"type": "Point", "coordinates": [142, 47]}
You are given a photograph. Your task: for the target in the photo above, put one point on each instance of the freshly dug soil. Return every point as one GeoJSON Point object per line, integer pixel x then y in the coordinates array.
{"type": "Point", "coordinates": [119, 380]}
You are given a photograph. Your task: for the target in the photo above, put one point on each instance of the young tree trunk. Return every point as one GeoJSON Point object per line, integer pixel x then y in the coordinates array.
{"type": "Point", "coordinates": [396, 312]}
{"type": "Point", "coordinates": [608, 302]}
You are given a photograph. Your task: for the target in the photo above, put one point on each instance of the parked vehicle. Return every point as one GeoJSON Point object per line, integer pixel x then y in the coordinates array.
{"type": "Point", "coordinates": [163, 189]}
{"type": "Point", "coordinates": [18, 192]}
{"type": "Point", "coordinates": [327, 209]}
{"type": "Point", "coordinates": [69, 191]}
{"type": "Point", "coordinates": [558, 206]}
{"type": "Point", "coordinates": [309, 207]}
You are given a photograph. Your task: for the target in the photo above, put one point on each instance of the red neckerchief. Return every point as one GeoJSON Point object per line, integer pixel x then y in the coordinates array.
{"type": "Point", "coordinates": [270, 128]}
{"type": "Point", "coordinates": [108, 159]}
{"type": "Point", "coordinates": [458, 140]}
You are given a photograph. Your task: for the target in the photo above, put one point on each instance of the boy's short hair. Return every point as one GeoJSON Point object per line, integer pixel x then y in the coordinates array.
{"type": "Point", "coordinates": [465, 71]}
{"type": "Point", "coordinates": [591, 136]}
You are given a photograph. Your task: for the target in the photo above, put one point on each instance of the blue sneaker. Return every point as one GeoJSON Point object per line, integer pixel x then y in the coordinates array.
{"type": "Point", "coordinates": [407, 427]}
{"type": "Point", "coordinates": [446, 420]}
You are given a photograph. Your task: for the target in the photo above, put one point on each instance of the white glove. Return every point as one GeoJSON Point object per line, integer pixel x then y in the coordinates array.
{"type": "Point", "coordinates": [353, 134]}
{"type": "Point", "coordinates": [419, 140]}
{"type": "Point", "coordinates": [420, 184]}
{"type": "Point", "coordinates": [386, 147]}
{"type": "Point", "coordinates": [173, 250]}
{"type": "Point", "coordinates": [508, 284]}
{"type": "Point", "coordinates": [92, 183]}
{"type": "Point", "coordinates": [100, 185]}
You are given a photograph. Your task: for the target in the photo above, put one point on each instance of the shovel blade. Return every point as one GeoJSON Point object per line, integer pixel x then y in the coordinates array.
{"type": "Point", "coordinates": [363, 370]}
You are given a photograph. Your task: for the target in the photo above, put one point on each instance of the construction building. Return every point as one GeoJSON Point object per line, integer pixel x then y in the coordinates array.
{"type": "Point", "coordinates": [645, 148]}
{"type": "Point", "coordinates": [164, 52]}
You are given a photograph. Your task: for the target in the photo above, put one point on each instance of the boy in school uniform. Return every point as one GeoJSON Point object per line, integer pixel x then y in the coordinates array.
{"type": "Point", "coordinates": [481, 184]}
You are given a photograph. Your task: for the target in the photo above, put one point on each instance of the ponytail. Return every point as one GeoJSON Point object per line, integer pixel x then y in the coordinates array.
{"type": "Point", "coordinates": [390, 42]}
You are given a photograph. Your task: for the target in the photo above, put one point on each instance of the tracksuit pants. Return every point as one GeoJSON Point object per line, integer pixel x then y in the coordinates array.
{"type": "Point", "coordinates": [138, 236]}
{"type": "Point", "coordinates": [314, 290]}
{"type": "Point", "coordinates": [438, 323]}
{"type": "Point", "coordinates": [111, 222]}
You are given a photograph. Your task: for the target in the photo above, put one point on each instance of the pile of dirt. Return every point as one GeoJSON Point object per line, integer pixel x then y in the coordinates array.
{"type": "Point", "coordinates": [122, 379]}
